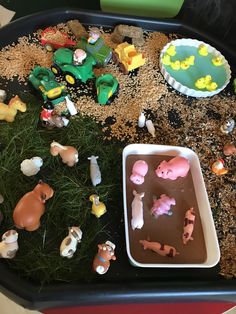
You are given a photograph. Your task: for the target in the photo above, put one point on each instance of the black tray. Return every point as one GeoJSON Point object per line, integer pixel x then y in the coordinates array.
{"type": "Point", "coordinates": [123, 283]}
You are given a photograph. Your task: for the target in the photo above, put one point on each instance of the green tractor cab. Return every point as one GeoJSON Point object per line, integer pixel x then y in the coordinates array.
{"type": "Point", "coordinates": [74, 74]}
{"type": "Point", "coordinates": [107, 88]}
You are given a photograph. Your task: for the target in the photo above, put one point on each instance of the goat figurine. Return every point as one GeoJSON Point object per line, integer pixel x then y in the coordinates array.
{"type": "Point", "coordinates": [9, 244]}
{"type": "Point", "coordinates": [69, 154]}
{"type": "Point", "coordinates": [106, 252]}
{"type": "Point", "coordinates": [95, 173]}
{"type": "Point", "coordinates": [69, 244]}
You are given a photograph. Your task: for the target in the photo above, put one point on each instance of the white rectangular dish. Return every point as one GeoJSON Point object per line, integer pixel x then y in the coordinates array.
{"type": "Point", "coordinates": [204, 215]}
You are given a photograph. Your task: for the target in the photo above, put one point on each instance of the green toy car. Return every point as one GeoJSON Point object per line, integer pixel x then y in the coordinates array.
{"type": "Point", "coordinates": [98, 50]}
{"type": "Point", "coordinates": [107, 88]}
{"type": "Point", "coordinates": [74, 74]}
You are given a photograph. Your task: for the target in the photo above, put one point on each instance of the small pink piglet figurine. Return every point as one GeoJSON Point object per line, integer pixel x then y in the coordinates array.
{"type": "Point", "coordinates": [188, 225]}
{"type": "Point", "coordinates": [140, 169]}
{"type": "Point", "coordinates": [174, 168]}
{"type": "Point", "coordinates": [162, 206]}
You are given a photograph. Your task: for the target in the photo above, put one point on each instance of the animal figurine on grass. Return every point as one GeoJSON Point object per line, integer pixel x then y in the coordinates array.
{"type": "Point", "coordinates": [98, 208]}
{"type": "Point", "coordinates": [31, 207]}
{"type": "Point", "coordinates": [9, 244]}
{"type": "Point", "coordinates": [137, 211]}
{"type": "Point", "coordinates": [189, 221]}
{"type": "Point", "coordinates": [106, 252]}
{"type": "Point", "coordinates": [174, 168]}
{"type": "Point", "coordinates": [95, 173]}
{"type": "Point", "coordinates": [162, 206]}
{"type": "Point", "coordinates": [161, 249]}
{"type": "Point", "coordinates": [31, 167]}
{"type": "Point", "coordinates": [69, 154]}
{"type": "Point", "coordinates": [139, 170]}
{"type": "Point", "coordinates": [69, 244]}
{"type": "Point", "coordinates": [8, 112]}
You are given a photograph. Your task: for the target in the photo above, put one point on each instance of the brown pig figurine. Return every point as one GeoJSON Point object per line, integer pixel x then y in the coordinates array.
{"type": "Point", "coordinates": [31, 207]}
{"type": "Point", "coordinates": [229, 149]}
{"type": "Point", "coordinates": [161, 249]}
{"type": "Point", "coordinates": [106, 252]}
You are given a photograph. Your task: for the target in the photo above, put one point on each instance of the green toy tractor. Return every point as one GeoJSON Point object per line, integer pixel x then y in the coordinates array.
{"type": "Point", "coordinates": [107, 88]}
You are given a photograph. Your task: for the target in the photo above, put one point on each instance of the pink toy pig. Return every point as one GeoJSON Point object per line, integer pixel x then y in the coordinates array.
{"type": "Point", "coordinates": [162, 206]}
{"type": "Point", "coordinates": [140, 169]}
{"type": "Point", "coordinates": [161, 249]}
{"type": "Point", "coordinates": [174, 168]}
{"type": "Point", "coordinates": [188, 225]}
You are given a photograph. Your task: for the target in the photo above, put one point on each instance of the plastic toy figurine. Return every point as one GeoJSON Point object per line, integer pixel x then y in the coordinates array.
{"type": "Point", "coordinates": [206, 82]}
{"type": "Point", "coordinates": [79, 56]}
{"type": "Point", "coordinates": [50, 119]}
{"type": "Point", "coordinates": [139, 170]}
{"type": "Point", "coordinates": [217, 61]}
{"type": "Point", "coordinates": [31, 207]}
{"type": "Point", "coordinates": [69, 244]}
{"type": "Point", "coordinates": [69, 154]}
{"type": "Point", "coordinates": [107, 88]}
{"type": "Point", "coordinates": [106, 252]}
{"type": "Point", "coordinates": [9, 245]}
{"type": "Point", "coordinates": [171, 50]}
{"type": "Point", "coordinates": [166, 60]}
{"type": "Point", "coordinates": [3, 95]}
{"type": "Point", "coordinates": [8, 112]}
{"type": "Point", "coordinates": [95, 173]}
{"type": "Point", "coordinates": [151, 128]}
{"type": "Point", "coordinates": [176, 65]}
{"type": "Point", "coordinates": [161, 249]}
{"type": "Point", "coordinates": [31, 167]}
{"type": "Point", "coordinates": [229, 149]}
{"type": "Point", "coordinates": [98, 208]}
{"type": "Point", "coordinates": [189, 221]}
{"type": "Point", "coordinates": [137, 211]}
{"type": "Point", "coordinates": [121, 31]}
{"type": "Point", "coordinates": [174, 168]}
{"type": "Point", "coordinates": [162, 206]}
{"type": "Point", "coordinates": [141, 120]}
{"type": "Point", "coordinates": [218, 167]}
{"type": "Point", "coordinates": [228, 126]}
{"type": "Point", "coordinates": [202, 50]}
{"type": "Point", "coordinates": [94, 35]}
{"type": "Point", "coordinates": [53, 39]}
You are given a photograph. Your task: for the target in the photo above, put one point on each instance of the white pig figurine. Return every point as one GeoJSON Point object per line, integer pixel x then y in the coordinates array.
{"type": "Point", "coordinates": [95, 172]}
{"type": "Point", "coordinates": [137, 211]}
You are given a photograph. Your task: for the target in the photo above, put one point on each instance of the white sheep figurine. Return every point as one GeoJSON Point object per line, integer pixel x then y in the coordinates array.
{"type": "Point", "coordinates": [3, 95]}
{"type": "Point", "coordinates": [9, 245]}
{"type": "Point", "coordinates": [137, 211]}
{"type": "Point", "coordinates": [31, 167]}
{"type": "Point", "coordinates": [95, 173]}
{"type": "Point", "coordinates": [69, 244]}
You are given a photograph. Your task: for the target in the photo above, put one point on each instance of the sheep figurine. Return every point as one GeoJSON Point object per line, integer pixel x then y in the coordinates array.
{"type": "Point", "coordinates": [95, 173]}
{"type": "Point", "coordinates": [9, 244]}
{"type": "Point", "coordinates": [69, 244]}
{"type": "Point", "coordinates": [31, 167]}
{"type": "Point", "coordinates": [3, 95]}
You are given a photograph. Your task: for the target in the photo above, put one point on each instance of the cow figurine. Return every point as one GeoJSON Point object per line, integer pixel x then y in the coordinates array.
{"type": "Point", "coordinates": [161, 249]}
{"type": "Point", "coordinates": [174, 168]}
{"type": "Point", "coordinates": [189, 221]}
{"type": "Point", "coordinates": [69, 154]}
{"type": "Point", "coordinates": [69, 244]}
{"type": "Point", "coordinates": [162, 206]}
{"type": "Point", "coordinates": [101, 262]}
{"type": "Point", "coordinates": [9, 244]}
{"type": "Point", "coordinates": [137, 211]}
{"type": "Point", "coordinates": [31, 207]}
{"type": "Point", "coordinates": [95, 173]}
{"type": "Point", "coordinates": [139, 170]}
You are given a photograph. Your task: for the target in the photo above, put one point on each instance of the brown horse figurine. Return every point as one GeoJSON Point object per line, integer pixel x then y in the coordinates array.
{"type": "Point", "coordinates": [8, 112]}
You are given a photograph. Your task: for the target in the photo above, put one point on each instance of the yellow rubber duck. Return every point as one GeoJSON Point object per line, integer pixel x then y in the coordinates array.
{"type": "Point", "coordinates": [175, 65]}
{"type": "Point", "coordinates": [201, 83]}
{"type": "Point", "coordinates": [98, 208]}
{"type": "Point", "coordinates": [171, 50]}
{"type": "Point", "coordinates": [202, 50]}
{"type": "Point", "coordinates": [208, 79]}
{"type": "Point", "coordinates": [166, 59]}
{"type": "Point", "coordinates": [190, 60]}
{"type": "Point", "coordinates": [211, 86]}
{"type": "Point", "coordinates": [217, 61]}
{"type": "Point", "coordinates": [184, 65]}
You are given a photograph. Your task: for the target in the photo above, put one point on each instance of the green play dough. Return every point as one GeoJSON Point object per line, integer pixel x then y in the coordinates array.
{"type": "Point", "coordinates": [202, 66]}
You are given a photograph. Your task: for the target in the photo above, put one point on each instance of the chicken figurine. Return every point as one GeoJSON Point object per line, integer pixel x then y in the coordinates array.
{"type": "Point", "coordinates": [218, 167]}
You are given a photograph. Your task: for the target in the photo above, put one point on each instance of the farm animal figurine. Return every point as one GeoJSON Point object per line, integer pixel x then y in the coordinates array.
{"type": "Point", "coordinates": [95, 173]}
{"type": "Point", "coordinates": [98, 208]}
{"type": "Point", "coordinates": [69, 154]}
{"type": "Point", "coordinates": [141, 120]}
{"type": "Point", "coordinates": [174, 168]}
{"type": "Point", "coordinates": [229, 149]}
{"type": "Point", "coordinates": [69, 244]}
{"type": "Point", "coordinates": [151, 128]}
{"type": "Point", "coordinates": [31, 167]}
{"type": "Point", "coordinates": [137, 211]}
{"type": "Point", "coordinates": [228, 126]}
{"type": "Point", "coordinates": [8, 112]}
{"type": "Point", "coordinates": [9, 244]}
{"type": "Point", "coordinates": [139, 170]}
{"type": "Point", "coordinates": [31, 207]}
{"type": "Point", "coordinates": [218, 167]}
{"type": "Point", "coordinates": [3, 95]}
{"type": "Point", "coordinates": [161, 249]}
{"type": "Point", "coordinates": [106, 252]}
{"type": "Point", "coordinates": [189, 221]}
{"type": "Point", "coordinates": [162, 206]}
{"type": "Point", "coordinates": [50, 119]}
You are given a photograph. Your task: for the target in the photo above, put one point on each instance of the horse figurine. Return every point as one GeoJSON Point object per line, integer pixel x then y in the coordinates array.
{"type": "Point", "coordinates": [8, 112]}
{"type": "Point", "coordinates": [69, 154]}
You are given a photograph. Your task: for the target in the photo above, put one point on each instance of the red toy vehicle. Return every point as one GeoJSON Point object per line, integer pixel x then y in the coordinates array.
{"type": "Point", "coordinates": [54, 39]}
